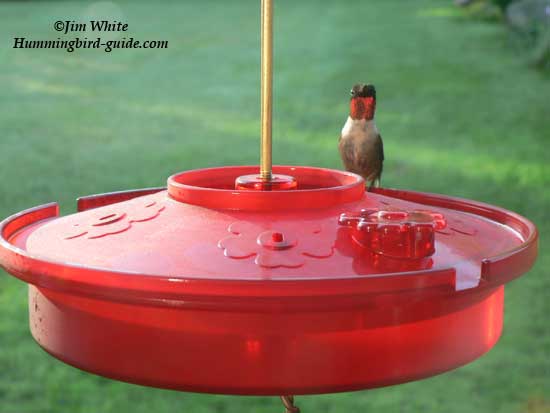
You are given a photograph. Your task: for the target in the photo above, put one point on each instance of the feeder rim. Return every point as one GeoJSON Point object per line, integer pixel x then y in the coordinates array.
{"type": "Point", "coordinates": [351, 188]}
{"type": "Point", "coordinates": [253, 295]}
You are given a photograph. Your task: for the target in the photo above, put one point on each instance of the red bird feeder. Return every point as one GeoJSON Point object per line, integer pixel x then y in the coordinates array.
{"type": "Point", "coordinates": [204, 288]}
{"type": "Point", "coordinates": [294, 283]}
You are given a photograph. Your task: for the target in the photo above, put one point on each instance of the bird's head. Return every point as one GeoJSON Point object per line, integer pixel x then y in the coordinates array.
{"type": "Point", "coordinates": [363, 101]}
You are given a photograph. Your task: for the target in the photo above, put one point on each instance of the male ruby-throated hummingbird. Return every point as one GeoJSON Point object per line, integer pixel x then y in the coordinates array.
{"type": "Point", "coordinates": [360, 143]}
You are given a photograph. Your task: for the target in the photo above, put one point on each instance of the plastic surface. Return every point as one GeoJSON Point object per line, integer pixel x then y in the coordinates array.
{"type": "Point", "coordinates": [201, 287]}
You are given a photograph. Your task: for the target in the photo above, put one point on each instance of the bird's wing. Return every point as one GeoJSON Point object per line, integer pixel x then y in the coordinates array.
{"type": "Point", "coordinates": [371, 158]}
{"type": "Point", "coordinates": [380, 147]}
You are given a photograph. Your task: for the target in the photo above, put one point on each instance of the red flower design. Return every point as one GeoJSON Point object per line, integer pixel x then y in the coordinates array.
{"type": "Point", "coordinates": [284, 246]}
{"type": "Point", "coordinates": [395, 233]}
{"type": "Point", "coordinates": [104, 222]}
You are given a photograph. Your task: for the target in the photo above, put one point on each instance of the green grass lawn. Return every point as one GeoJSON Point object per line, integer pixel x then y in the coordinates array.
{"type": "Point", "coordinates": [460, 113]}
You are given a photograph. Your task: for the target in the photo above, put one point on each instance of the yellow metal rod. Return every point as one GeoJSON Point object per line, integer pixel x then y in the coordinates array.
{"type": "Point", "coordinates": [266, 89]}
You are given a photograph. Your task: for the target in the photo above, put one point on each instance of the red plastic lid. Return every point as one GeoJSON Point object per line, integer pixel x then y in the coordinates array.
{"type": "Point", "coordinates": [202, 239]}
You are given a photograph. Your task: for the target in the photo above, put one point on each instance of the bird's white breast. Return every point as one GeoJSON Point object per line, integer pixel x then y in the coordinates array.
{"type": "Point", "coordinates": [359, 129]}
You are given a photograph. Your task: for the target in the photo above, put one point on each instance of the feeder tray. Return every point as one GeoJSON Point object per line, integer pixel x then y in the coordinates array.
{"type": "Point", "coordinates": [324, 288]}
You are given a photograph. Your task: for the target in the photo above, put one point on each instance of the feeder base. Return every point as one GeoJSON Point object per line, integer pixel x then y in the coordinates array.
{"type": "Point", "coordinates": [218, 352]}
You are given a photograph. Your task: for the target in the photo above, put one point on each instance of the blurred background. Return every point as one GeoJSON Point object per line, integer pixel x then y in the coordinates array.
{"type": "Point", "coordinates": [463, 106]}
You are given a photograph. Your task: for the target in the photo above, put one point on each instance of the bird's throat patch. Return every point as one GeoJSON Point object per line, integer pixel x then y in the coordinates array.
{"type": "Point", "coordinates": [362, 108]}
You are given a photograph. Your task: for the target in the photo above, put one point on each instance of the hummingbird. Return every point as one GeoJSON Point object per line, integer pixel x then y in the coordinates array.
{"type": "Point", "coordinates": [360, 143]}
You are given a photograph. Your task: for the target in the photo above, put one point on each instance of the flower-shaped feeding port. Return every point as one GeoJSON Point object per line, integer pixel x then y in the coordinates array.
{"type": "Point", "coordinates": [395, 233]}
{"type": "Point", "coordinates": [451, 226]}
{"type": "Point", "coordinates": [115, 221]}
{"type": "Point", "coordinates": [279, 247]}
